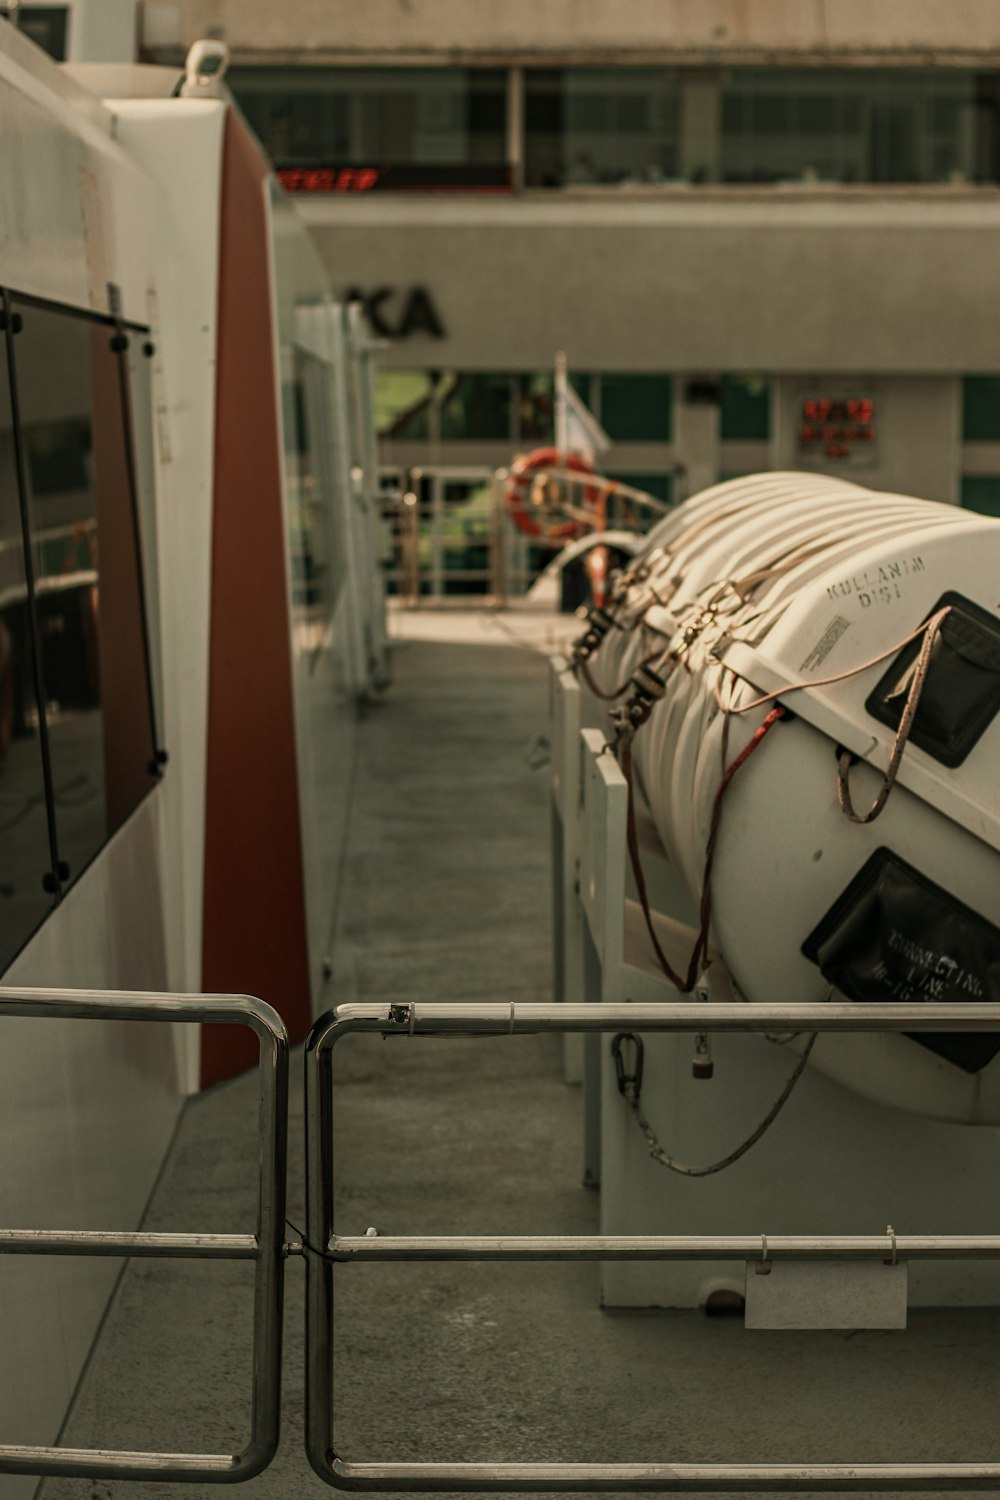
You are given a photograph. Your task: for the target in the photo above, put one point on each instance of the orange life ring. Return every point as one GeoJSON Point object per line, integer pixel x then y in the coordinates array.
{"type": "Point", "coordinates": [530, 517]}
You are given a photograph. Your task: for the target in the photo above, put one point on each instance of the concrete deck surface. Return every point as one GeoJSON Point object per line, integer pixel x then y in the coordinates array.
{"type": "Point", "coordinates": [447, 897]}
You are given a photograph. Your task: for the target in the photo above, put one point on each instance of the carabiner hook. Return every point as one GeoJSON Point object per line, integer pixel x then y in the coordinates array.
{"type": "Point", "coordinates": [629, 1083]}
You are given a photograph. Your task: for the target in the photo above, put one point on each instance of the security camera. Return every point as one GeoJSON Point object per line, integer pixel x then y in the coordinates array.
{"type": "Point", "coordinates": [204, 70]}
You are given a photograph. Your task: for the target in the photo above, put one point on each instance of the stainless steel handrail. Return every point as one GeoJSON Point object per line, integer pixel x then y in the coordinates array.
{"type": "Point", "coordinates": [662, 1247]}
{"type": "Point", "coordinates": [327, 1249]}
{"type": "Point", "coordinates": [265, 1247]}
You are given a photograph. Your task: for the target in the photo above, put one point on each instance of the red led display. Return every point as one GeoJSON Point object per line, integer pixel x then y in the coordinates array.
{"type": "Point", "coordinates": [319, 177]}
{"type": "Point", "coordinates": [837, 429]}
{"type": "Point", "coordinates": [328, 179]}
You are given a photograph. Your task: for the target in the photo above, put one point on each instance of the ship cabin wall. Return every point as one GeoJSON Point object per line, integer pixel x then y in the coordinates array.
{"type": "Point", "coordinates": [236, 375]}
{"type": "Point", "coordinates": [78, 214]}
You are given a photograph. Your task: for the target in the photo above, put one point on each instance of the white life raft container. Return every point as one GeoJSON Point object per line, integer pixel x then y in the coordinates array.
{"type": "Point", "coordinates": [767, 588]}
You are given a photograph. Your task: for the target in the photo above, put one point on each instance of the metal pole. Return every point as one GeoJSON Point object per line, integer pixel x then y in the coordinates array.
{"type": "Point", "coordinates": [515, 128]}
{"type": "Point", "coordinates": [411, 547]}
{"type": "Point", "coordinates": [318, 1060]}
{"type": "Point", "coordinates": [660, 1478]}
{"type": "Point", "coordinates": [498, 541]}
{"type": "Point", "coordinates": [108, 1242]}
{"type": "Point", "coordinates": [268, 1301]}
{"type": "Point", "coordinates": [663, 1247]}
{"type": "Point", "coordinates": [436, 1018]}
{"type": "Point", "coordinates": [562, 417]}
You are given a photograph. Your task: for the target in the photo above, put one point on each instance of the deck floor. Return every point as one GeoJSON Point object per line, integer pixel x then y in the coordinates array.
{"type": "Point", "coordinates": [447, 897]}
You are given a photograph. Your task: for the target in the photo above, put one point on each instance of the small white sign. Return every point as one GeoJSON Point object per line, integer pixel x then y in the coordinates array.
{"type": "Point", "coordinates": [826, 1294]}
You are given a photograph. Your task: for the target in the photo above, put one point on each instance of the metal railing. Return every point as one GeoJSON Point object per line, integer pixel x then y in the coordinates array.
{"type": "Point", "coordinates": [265, 1246]}
{"type": "Point", "coordinates": [327, 1248]}
{"type": "Point", "coordinates": [435, 557]}
{"type": "Point", "coordinates": [324, 1249]}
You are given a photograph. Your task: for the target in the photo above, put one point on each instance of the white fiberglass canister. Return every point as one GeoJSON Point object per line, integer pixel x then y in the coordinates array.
{"type": "Point", "coordinates": [814, 594]}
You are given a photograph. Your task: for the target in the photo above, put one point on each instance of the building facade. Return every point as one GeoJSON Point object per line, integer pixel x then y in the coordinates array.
{"type": "Point", "coordinates": [764, 234]}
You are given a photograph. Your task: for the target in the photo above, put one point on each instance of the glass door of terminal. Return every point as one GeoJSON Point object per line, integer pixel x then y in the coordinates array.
{"type": "Point", "coordinates": [456, 529]}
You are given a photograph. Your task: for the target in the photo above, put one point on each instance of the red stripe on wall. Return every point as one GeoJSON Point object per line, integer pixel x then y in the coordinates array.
{"type": "Point", "coordinates": [254, 903]}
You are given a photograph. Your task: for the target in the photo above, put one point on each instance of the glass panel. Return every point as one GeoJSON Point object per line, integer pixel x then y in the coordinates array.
{"type": "Point", "coordinates": [593, 125]}
{"type": "Point", "coordinates": [586, 388]}
{"type": "Point", "coordinates": [406, 515]}
{"type": "Point", "coordinates": [981, 409]}
{"type": "Point", "coordinates": [632, 515]}
{"type": "Point", "coordinates": [403, 400]}
{"type": "Point", "coordinates": [744, 408]}
{"type": "Point", "coordinates": [84, 547]}
{"type": "Point", "coordinates": [536, 408]}
{"type": "Point", "coordinates": [391, 489]}
{"type": "Point", "coordinates": [981, 492]}
{"type": "Point", "coordinates": [464, 533]}
{"type": "Point", "coordinates": [24, 833]}
{"type": "Point", "coordinates": [46, 26]}
{"type": "Point", "coordinates": [659, 485]}
{"type": "Point", "coordinates": [857, 125]}
{"type": "Point", "coordinates": [142, 402]}
{"type": "Point", "coordinates": [418, 544]}
{"type": "Point", "coordinates": [636, 408]}
{"type": "Point", "coordinates": [378, 117]}
{"type": "Point", "coordinates": [318, 556]}
{"type": "Point", "coordinates": [476, 407]}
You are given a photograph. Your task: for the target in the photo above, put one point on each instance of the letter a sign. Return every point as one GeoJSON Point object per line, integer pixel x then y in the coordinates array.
{"type": "Point", "coordinates": [392, 315]}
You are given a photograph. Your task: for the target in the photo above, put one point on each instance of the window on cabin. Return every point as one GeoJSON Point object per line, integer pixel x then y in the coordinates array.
{"type": "Point", "coordinates": [74, 398]}
{"type": "Point", "coordinates": [25, 861]}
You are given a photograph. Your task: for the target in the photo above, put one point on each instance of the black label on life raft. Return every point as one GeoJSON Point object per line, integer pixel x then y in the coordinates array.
{"type": "Point", "coordinates": [961, 693]}
{"type": "Point", "coordinates": [895, 935]}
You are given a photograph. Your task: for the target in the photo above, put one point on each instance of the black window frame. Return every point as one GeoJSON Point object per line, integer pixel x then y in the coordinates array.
{"type": "Point", "coordinates": [15, 308]}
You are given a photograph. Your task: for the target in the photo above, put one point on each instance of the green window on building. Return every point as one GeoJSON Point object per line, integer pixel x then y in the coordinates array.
{"type": "Point", "coordinates": [744, 409]}
{"type": "Point", "coordinates": [636, 408]}
{"type": "Point", "coordinates": [660, 486]}
{"type": "Point", "coordinates": [600, 125]}
{"type": "Point", "coordinates": [415, 119]}
{"type": "Point", "coordinates": [403, 404]}
{"type": "Point", "coordinates": [45, 24]}
{"type": "Point", "coordinates": [476, 407]}
{"type": "Point", "coordinates": [981, 409]}
{"type": "Point", "coordinates": [981, 492]}
{"type": "Point", "coordinates": [536, 407]}
{"type": "Point", "coordinates": [847, 125]}
{"type": "Point", "coordinates": [584, 387]}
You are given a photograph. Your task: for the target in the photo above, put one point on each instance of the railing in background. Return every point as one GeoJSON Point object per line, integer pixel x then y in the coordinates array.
{"type": "Point", "coordinates": [451, 537]}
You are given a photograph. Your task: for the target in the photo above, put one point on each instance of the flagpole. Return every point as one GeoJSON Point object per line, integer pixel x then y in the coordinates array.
{"type": "Point", "coordinates": [562, 437]}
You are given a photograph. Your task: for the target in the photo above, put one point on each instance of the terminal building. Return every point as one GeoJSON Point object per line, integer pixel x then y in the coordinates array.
{"type": "Point", "coordinates": [763, 235]}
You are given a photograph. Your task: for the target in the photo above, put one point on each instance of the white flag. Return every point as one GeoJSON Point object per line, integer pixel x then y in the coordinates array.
{"type": "Point", "coordinates": [584, 433]}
